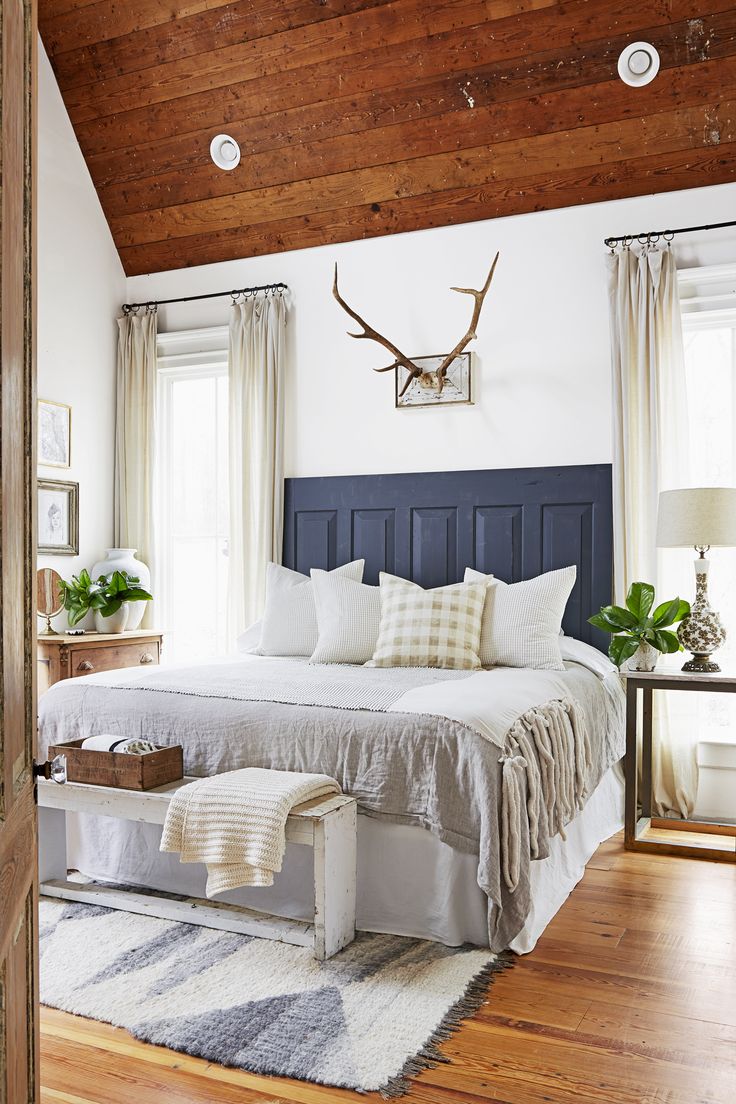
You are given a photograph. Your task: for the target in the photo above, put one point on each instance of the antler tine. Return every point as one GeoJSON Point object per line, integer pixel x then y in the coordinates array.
{"type": "Point", "coordinates": [374, 335]}
{"type": "Point", "coordinates": [479, 297]}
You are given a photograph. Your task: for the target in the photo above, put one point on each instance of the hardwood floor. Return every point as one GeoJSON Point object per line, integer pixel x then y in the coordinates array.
{"type": "Point", "coordinates": [629, 998]}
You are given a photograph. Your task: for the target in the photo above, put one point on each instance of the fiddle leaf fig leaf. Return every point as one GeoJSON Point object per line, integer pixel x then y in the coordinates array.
{"type": "Point", "coordinates": [622, 648]}
{"type": "Point", "coordinates": [640, 600]}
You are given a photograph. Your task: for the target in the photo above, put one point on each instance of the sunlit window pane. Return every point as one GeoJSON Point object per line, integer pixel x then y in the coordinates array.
{"type": "Point", "coordinates": [192, 507]}
{"type": "Point", "coordinates": [710, 365]}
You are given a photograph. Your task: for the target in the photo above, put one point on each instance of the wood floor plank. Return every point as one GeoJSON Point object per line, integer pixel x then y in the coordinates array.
{"type": "Point", "coordinates": [629, 998]}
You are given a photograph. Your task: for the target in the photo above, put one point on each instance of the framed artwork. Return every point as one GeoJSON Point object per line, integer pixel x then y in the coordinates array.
{"type": "Point", "coordinates": [58, 517]}
{"type": "Point", "coordinates": [422, 391]}
{"type": "Point", "coordinates": [54, 434]}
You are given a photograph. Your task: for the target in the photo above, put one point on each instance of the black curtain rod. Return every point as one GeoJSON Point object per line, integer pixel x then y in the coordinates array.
{"type": "Point", "coordinates": [155, 303]}
{"type": "Point", "coordinates": [668, 235]}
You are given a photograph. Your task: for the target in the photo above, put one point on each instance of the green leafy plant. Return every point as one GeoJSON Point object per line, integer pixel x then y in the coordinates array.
{"type": "Point", "coordinates": [639, 624]}
{"type": "Point", "coordinates": [105, 594]}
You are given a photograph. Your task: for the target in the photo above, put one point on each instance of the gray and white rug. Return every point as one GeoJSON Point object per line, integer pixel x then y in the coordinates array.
{"type": "Point", "coordinates": [367, 1019]}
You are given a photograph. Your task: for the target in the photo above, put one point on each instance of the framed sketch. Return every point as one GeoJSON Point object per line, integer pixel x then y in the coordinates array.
{"type": "Point", "coordinates": [58, 517]}
{"type": "Point", "coordinates": [54, 434]}
{"type": "Point", "coordinates": [422, 391]}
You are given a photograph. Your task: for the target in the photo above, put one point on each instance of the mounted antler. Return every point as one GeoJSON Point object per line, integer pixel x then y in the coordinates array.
{"type": "Point", "coordinates": [400, 358]}
{"type": "Point", "coordinates": [374, 335]}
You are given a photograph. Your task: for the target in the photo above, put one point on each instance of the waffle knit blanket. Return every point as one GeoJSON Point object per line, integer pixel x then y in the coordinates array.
{"type": "Point", "coordinates": [235, 823]}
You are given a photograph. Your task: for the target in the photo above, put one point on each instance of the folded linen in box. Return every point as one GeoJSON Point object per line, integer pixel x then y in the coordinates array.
{"type": "Point", "coordinates": [126, 745]}
{"type": "Point", "coordinates": [235, 823]}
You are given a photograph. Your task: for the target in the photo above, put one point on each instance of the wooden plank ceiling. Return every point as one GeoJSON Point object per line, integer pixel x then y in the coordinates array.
{"type": "Point", "coordinates": [366, 117]}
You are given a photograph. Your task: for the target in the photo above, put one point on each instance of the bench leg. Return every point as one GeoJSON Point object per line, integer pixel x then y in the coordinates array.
{"type": "Point", "coordinates": [335, 858]}
{"type": "Point", "coordinates": [51, 844]}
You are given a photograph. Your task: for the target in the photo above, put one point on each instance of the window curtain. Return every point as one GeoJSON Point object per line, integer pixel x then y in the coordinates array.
{"type": "Point", "coordinates": [256, 447]}
{"type": "Point", "coordinates": [650, 455]}
{"type": "Point", "coordinates": [135, 438]}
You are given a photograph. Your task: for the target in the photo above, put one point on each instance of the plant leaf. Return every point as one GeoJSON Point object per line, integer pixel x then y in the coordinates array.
{"type": "Point", "coordinates": [640, 600]}
{"type": "Point", "coordinates": [622, 648]}
{"type": "Point", "coordinates": [600, 623]}
{"type": "Point", "coordinates": [665, 641]}
{"type": "Point", "coordinates": [666, 614]}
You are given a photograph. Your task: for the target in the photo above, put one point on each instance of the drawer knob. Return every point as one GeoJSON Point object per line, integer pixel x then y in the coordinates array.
{"type": "Point", "coordinates": [146, 658]}
{"type": "Point", "coordinates": [85, 665]}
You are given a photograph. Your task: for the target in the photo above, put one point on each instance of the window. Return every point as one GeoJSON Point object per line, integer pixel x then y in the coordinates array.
{"type": "Point", "coordinates": [192, 493]}
{"type": "Point", "coordinates": [708, 297]}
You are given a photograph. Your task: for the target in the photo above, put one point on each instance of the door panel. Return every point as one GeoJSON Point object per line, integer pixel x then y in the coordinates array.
{"type": "Point", "coordinates": [18, 873]}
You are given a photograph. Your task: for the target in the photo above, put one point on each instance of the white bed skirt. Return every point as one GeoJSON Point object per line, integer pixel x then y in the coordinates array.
{"type": "Point", "coordinates": [409, 882]}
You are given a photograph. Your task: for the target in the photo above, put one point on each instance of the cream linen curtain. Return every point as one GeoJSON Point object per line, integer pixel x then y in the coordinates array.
{"type": "Point", "coordinates": [135, 438]}
{"type": "Point", "coordinates": [651, 454]}
{"type": "Point", "coordinates": [256, 447]}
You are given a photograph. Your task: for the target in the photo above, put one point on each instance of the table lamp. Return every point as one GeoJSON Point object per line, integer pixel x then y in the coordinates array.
{"type": "Point", "coordinates": [704, 517]}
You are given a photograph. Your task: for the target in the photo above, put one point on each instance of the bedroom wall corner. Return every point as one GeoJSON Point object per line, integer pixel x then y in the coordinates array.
{"type": "Point", "coordinates": [81, 285]}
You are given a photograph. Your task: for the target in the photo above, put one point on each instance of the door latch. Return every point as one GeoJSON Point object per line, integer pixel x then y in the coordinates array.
{"type": "Point", "coordinates": [53, 769]}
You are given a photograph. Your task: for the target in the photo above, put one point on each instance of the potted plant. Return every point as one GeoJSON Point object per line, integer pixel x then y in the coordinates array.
{"type": "Point", "coordinates": [106, 597]}
{"type": "Point", "coordinates": [638, 633]}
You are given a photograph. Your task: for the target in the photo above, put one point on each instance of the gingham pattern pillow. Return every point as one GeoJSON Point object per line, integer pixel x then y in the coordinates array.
{"type": "Point", "coordinates": [429, 628]}
{"type": "Point", "coordinates": [348, 616]}
{"type": "Point", "coordinates": [522, 621]}
{"type": "Point", "coordinates": [289, 625]}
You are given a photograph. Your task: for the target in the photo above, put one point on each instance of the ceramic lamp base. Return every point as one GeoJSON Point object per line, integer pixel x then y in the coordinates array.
{"type": "Point", "coordinates": [701, 632]}
{"type": "Point", "coordinates": [701, 663]}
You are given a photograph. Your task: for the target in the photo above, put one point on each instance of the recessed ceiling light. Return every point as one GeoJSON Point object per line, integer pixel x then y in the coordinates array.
{"type": "Point", "coordinates": [225, 152]}
{"type": "Point", "coordinates": [638, 64]}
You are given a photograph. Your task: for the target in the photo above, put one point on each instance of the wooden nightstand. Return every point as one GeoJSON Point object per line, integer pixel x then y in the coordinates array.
{"type": "Point", "coordinates": [63, 656]}
{"type": "Point", "coordinates": [699, 839]}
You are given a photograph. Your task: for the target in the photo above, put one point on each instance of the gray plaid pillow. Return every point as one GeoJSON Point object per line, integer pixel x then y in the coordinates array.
{"type": "Point", "coordinates": [429, 628]}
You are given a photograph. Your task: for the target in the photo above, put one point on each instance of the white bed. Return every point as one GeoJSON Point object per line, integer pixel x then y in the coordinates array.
{"type": "Point", "coordinates": [427, 889]}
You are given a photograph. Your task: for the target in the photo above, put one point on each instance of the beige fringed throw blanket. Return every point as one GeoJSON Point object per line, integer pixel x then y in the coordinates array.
{"type": "Point", "coordinates": [545, 750]}
{"type": "Point", "coordinates": [235, 823]}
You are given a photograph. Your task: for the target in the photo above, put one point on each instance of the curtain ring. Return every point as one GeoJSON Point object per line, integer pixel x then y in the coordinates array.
{"type": "Point", "coordinates": [627, 242]}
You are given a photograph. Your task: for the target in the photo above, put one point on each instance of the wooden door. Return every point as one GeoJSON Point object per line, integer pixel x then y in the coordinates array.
{"type": "Point", "coordinates": [18, 866]}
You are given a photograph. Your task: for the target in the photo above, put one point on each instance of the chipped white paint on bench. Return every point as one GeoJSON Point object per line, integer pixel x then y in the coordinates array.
{"type": "Point", "coordinates": [327, 824]}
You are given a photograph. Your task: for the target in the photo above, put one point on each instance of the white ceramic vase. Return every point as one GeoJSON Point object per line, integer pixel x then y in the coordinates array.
{"type": "Point", "coordinates": [116, 622]}
{"type": "Point", "coordinates": [123, 559]}
{"type": "Point", "coordinates": [644, 658]}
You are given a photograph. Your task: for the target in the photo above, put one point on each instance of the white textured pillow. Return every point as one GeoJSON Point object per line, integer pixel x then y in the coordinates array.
{"type": "Point", "coordinates": [521, 621]}
{"type": "Point", "coordinates": [348, 616]}
{"type": "Point", "coordinates": [429, 628]}
{"type": "Point", "coordinates": [248, 641]}
{"type": "Point", "coordinates": [290, 616]}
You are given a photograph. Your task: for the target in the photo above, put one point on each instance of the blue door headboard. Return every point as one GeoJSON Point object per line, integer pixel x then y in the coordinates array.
{"type": "Point", "coordinates": [430, 526]}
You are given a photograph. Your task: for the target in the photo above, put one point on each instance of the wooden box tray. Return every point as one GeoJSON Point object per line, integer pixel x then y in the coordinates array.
{"type": "Point", "coordinates": [127, 772]}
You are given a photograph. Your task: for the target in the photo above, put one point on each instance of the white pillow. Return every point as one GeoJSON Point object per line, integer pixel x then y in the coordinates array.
{"type": "Point", "coordinates": [249, 640]}
{"type": "Point", "coordinates": [290, 617]}
{"type": "Point", "coordinates": [522, 621]}
{"type": "Point", "coordinates": [348, 616]}
{"type": "Point", "coordinates": [429, 628]}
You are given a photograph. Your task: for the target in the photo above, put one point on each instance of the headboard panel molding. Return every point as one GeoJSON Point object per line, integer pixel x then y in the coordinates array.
{"type": "Point", "coordinates": [430, 526]}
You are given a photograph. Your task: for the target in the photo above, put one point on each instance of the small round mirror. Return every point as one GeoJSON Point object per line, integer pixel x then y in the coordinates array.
{"type": "Point", "coordinates": [48, 597]}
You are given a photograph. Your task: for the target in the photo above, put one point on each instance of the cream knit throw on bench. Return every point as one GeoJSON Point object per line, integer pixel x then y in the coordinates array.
{"type": "Point", "coordinates": [235, 823]}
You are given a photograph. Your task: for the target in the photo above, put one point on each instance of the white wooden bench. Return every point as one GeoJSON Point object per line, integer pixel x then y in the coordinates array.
{"type": "Point", "coordinates": [327, 825]}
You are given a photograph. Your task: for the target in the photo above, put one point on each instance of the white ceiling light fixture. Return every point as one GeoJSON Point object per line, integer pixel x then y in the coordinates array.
{"type": "Point", "coordinates": [225, 152]}
{"type": "Point", "coordinates": [638, 64]}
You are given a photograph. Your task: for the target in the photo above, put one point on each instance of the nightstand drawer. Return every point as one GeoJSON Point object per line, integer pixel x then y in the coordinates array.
{"type": "Point", "coordinates": [87, 661]}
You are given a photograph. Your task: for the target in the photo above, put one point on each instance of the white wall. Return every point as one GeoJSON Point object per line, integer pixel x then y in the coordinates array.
{"type": "Point", "coordinates": [543, 390]}
{"type": "Point", "coordinates": [81, 285]}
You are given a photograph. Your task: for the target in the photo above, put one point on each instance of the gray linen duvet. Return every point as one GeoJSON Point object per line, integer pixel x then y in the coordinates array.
{"type": "Point", "coordinates": [406, 767]}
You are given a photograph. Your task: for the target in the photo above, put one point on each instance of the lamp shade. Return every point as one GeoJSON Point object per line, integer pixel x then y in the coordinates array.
{"type": "Point", "coordinates": [697, 516]}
